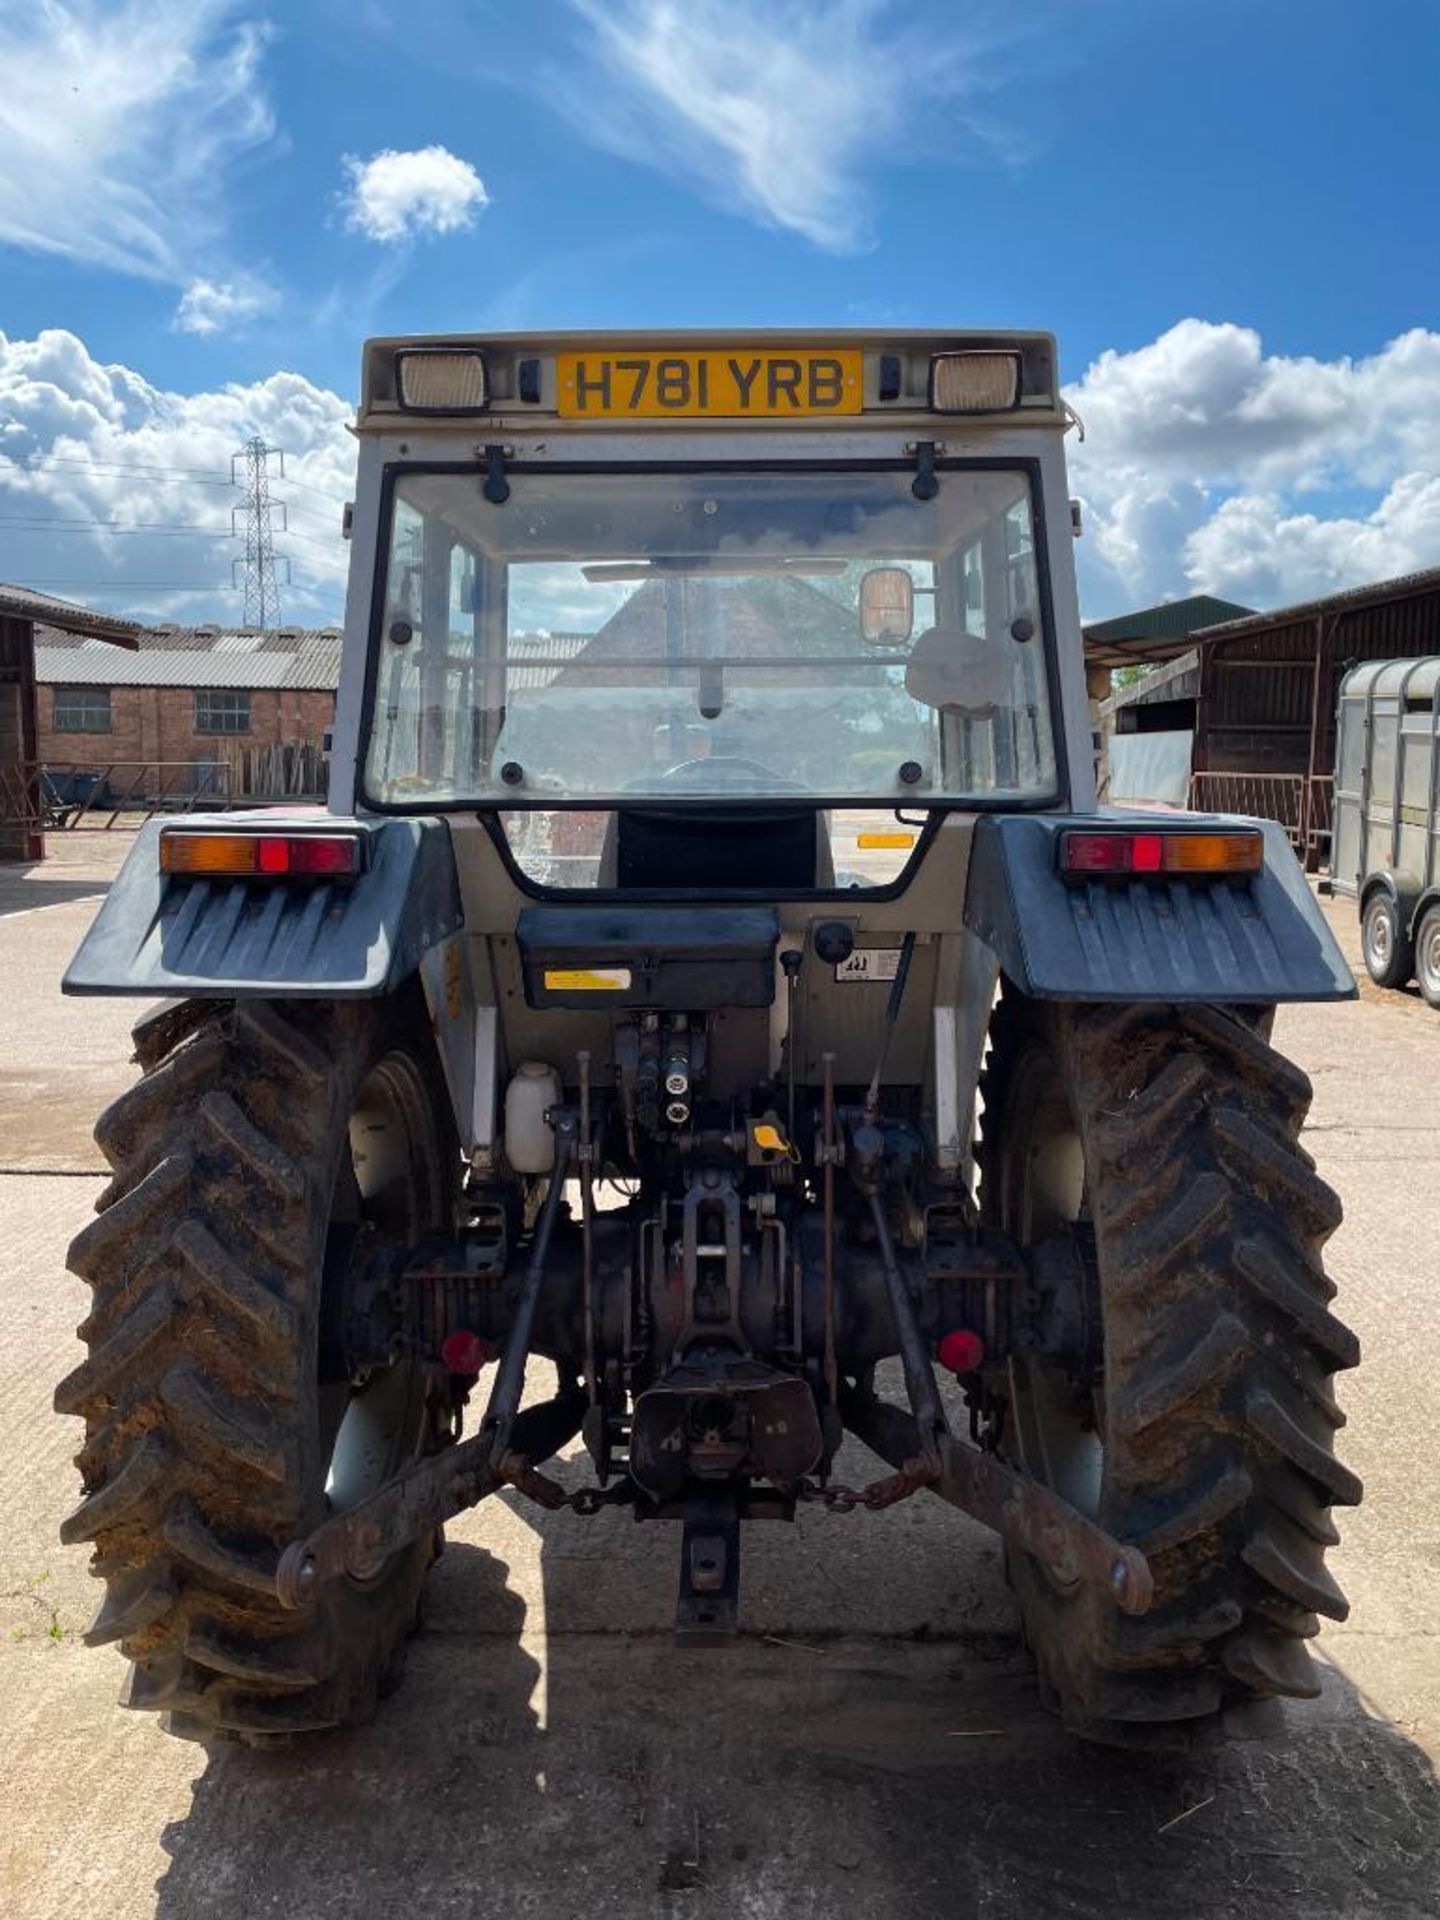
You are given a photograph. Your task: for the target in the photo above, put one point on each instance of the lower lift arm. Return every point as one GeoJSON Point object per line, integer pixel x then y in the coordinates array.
{"type": "Point", "coordinates": [503, 1452]}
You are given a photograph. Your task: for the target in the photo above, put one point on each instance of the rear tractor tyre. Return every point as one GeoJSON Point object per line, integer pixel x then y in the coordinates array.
{"type": "Point", "coordinates": [1167, 1139]}
{"type": "Point", "coordinates": [218, 1426]}
{"type": "Point", "coordinates": [1389, 953]}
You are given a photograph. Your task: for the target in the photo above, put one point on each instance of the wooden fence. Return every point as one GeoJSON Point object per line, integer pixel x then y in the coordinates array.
{"type": "Point", "coordinates": [296, 770]}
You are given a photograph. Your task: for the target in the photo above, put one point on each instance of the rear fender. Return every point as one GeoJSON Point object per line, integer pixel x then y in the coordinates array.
{"type": "Point", "coordinates": [1262, 939]}
{"type": "Point", "coordinates": [1403, 888]}
{"type": "Point", "coordinates": [167, 935]}
{"type": "Point", "coordinates": [1420, 905]}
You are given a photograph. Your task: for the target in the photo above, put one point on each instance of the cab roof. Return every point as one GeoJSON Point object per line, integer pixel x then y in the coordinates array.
{"type": "Point", "coordinates": [529, 377]}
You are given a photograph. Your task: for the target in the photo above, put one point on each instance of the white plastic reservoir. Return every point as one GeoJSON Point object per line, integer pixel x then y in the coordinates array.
{"type": "Point", "coordinates": [529, 1144]}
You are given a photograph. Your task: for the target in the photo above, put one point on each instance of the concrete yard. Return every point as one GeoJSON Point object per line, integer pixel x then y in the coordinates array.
{"type": "Point", "coordinates": [872, 1748]}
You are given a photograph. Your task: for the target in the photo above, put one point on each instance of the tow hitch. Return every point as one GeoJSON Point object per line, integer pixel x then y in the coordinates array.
{"type": "Point", "coordinates": [708, 1434]}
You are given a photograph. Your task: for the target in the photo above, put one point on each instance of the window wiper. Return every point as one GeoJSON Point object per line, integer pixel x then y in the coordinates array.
{"type": "Point", "coordinates": [601, 571]}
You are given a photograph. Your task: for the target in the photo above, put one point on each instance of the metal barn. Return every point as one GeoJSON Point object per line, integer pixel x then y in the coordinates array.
{"type": "Point", "coordinates": [1267, 697]}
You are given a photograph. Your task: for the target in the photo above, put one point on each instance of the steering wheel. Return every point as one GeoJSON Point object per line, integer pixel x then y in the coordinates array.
{"type": "Point", "coordinates": [730, 772]}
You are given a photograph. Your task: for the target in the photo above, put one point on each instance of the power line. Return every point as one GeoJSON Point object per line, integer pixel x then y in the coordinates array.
{"type": "Point", "coordinates": [112, 526]}
{"type": "Point", "coordinates": [315, 513]}
{"type": "Point", "coordinates": [205, 476]}
{"type": "Point", "coordinates": [180, 475]}
{"type": "Point", "coordinates": [335, 538]}
{"type": "Point", "coordinates": [78, 524]}
{"type": "Point", "coordinates": [335, 499]}
{"type": "Point", "coordinates": [140, 586]}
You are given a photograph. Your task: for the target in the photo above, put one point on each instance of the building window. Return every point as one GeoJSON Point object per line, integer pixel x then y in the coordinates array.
{"type": "Point", "coordinates": [81, 710]}
{"type": "Point", "coordinates": [221, 710]}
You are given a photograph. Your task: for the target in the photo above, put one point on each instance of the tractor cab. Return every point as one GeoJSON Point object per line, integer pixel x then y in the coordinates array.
{"type": "Point", "coordinates": [684, 616]}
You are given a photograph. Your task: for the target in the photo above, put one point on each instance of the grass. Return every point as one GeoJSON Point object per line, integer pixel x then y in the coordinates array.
{"type": "Point", "coordinates": [48, 1625]}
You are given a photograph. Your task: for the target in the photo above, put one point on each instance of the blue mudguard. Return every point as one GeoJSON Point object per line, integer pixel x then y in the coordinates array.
{"type": "Point", "coordinates": [164, 935]}
{"type": "Point", "coordinates": [1261, 939]}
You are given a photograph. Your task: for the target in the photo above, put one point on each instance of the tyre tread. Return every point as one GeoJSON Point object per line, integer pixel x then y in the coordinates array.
{"type": "Point", "coordinates": [1209, 1221]}
{"type": "Point", "coordinates": [195, 1381]}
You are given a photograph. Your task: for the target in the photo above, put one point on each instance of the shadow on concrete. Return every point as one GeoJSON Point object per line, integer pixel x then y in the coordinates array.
{"type": "Point", "coordinates": [611, 1774]}
{"type": "Point", "coordinates": [19, 894]}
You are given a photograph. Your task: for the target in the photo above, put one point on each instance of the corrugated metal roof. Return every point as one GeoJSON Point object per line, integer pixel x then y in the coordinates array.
{"type": "Point", "coordinates": [1155, 633]}
{"type": "Point", "coordinates": [317, 660]}
{"type": "Point", "coordinates": [96, 666]}
{"type": "Point", "coordinates": [206, 639]}
{"type": "Point", "coordinates": [1375, 594]}
{"type": "Point", "coordinates": [299, 658]}
{"type": "Point", "coordinates": [554, 649]}
{"type": "Point", "coordinates": [1171, 620]}
{"type": "Point", "coordinates": [24, 603]}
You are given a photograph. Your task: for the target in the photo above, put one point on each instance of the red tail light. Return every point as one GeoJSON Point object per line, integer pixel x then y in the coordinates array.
{"type": "Point", "coordinates": [1095, 855]}
{"type": "Point", "coordinates": [309, 853]}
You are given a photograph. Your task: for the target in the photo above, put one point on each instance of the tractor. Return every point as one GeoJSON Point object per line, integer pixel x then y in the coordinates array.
{"type": "Point", "coordinates": [713, 985]}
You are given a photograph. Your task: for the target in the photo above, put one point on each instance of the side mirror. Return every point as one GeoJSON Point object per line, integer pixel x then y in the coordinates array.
{"type": "Point", "coordinates": [887, 606]}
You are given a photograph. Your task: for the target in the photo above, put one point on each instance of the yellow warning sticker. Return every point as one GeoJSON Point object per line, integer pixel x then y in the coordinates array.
{"type": "Point", "coordinates": [587, 979]}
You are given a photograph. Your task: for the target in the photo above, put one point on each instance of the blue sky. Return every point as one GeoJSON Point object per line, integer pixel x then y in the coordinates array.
{"type": "Point", "coordinates": [1225, 211]}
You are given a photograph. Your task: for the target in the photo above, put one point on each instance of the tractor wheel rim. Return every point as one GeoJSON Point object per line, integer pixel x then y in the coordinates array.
{"type": "Point", "coordinates": [377, 1424]}
{"type": "Point", "coordinates": [1051, 1193]}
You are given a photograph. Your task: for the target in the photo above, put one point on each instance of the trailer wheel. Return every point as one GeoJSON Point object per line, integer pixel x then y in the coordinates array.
{"type": "Point", "coordinates": [1427, 955]}
{"type": "Point", "coordinates": [217, 1425]}
{"type": "Point", "coordinates": [1169, 1137]}
{"type": "Point", "coordinates": [1389, 953]}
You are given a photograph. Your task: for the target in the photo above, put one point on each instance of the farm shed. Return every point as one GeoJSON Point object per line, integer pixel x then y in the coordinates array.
{"type": "Point", "coordinates": [22, 797]}
{"type": "Point", "coordinates": [1266, 699]}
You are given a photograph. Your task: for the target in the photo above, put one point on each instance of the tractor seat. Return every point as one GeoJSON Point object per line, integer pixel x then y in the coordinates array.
{"type": "Point", "coordinates": [779, 849]}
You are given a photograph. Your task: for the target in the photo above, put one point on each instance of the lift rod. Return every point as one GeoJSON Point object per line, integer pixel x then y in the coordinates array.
{"type": "Point", "coordinates": [507, 1446]}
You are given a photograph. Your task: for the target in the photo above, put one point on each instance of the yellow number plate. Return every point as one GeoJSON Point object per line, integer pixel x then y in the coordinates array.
{"type": "Point", "coordinates": [731, 386]}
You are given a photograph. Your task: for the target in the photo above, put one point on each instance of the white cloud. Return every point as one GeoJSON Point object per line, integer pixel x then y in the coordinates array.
{"type": "Point", "coordinates": [774, 107]}
{"type": "Point", "coordinates": [1210, 465]}
{"type": "Point", "coordinates": [116, 492]}
{"type": "Point", "coordinates": [219, 306]}
{"type": "Point", "coordinates": [397, 196]}
{"type": "Point", "coordinates": [1266, 554]}
{"type": "Point", "coordinates": [118, 121]}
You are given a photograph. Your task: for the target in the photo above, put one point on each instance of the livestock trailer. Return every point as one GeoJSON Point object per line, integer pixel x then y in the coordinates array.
{"type": "Point", "coordinates": [1386, 848]}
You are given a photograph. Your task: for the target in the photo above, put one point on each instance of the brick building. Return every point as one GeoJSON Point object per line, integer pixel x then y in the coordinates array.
{"type": "Point", "coordinates": [190, 700]}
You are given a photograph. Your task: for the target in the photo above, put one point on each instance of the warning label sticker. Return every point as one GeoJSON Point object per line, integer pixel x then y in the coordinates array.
{"type": "Point", "coordinates": [870, 963]}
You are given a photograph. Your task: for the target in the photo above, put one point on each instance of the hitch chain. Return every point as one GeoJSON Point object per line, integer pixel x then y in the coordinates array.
{"type": "Point", "coordinates": [517, 1472]}
{"type": "Point", "coordinates": [913, 1477]}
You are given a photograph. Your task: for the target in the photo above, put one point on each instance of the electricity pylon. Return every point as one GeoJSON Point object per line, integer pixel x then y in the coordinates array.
{"type": "Point", "coordinates": [262, 590]}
